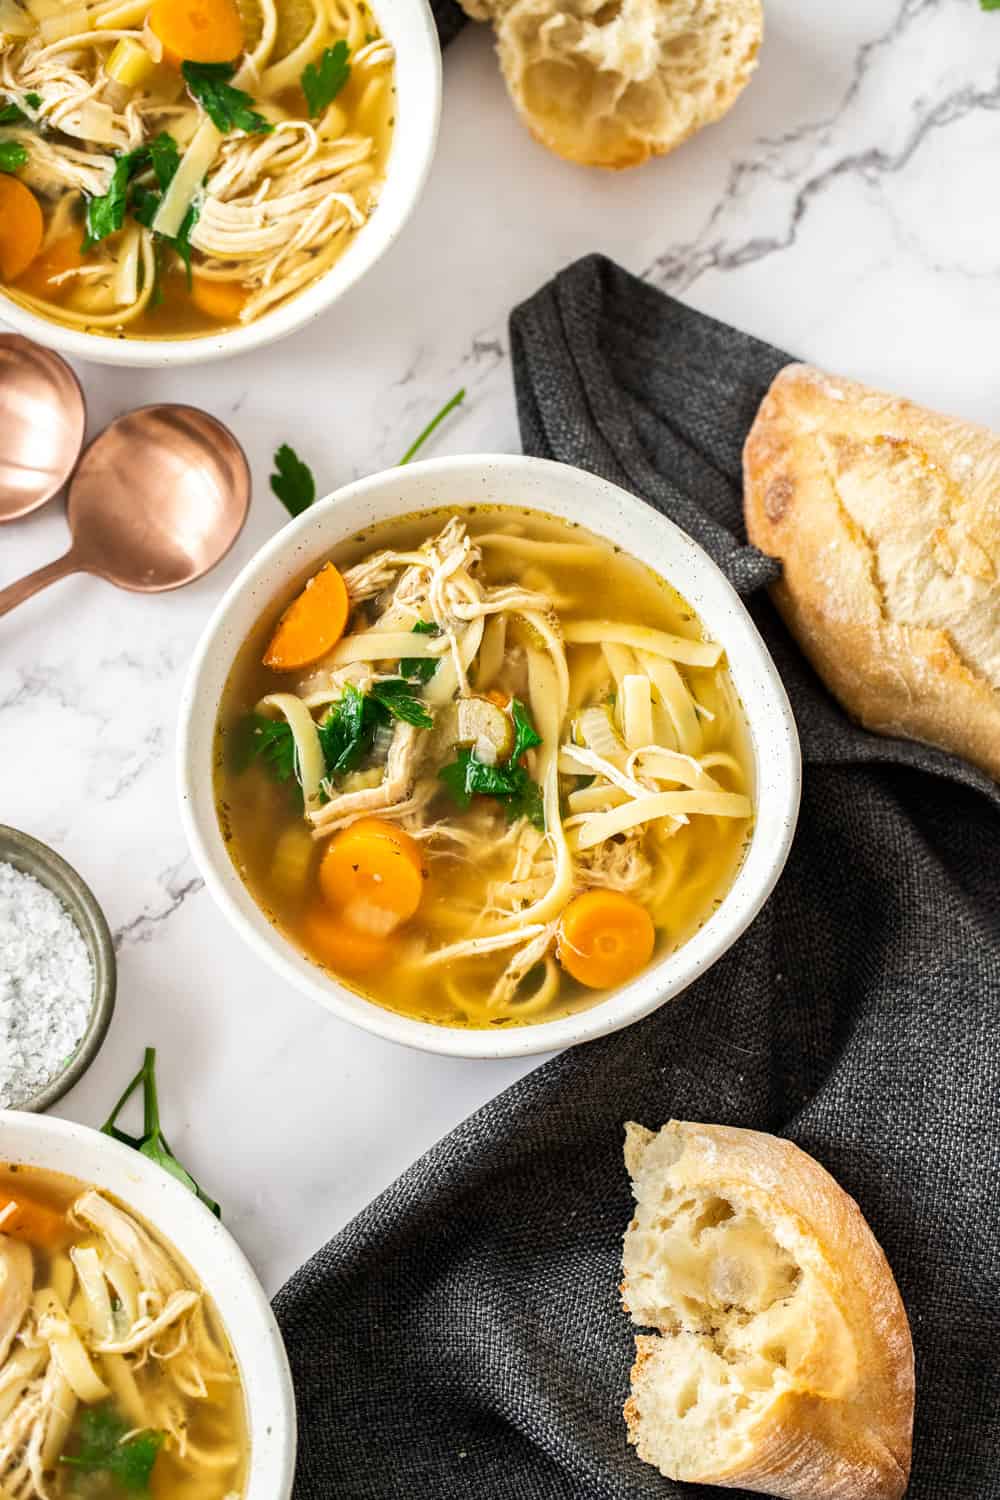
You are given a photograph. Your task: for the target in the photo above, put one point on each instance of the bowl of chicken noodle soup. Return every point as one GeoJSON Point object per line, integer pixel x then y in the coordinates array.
{"type": "Point", "coordinates": [185, 179]}
{"type": "Point", "coordinates": [487, 756]}
{"type": "Point", "coordinates": [138, 1353]}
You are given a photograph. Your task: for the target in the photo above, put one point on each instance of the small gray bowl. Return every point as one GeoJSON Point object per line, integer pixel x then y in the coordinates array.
{"type": "Point", "coordinates": [51, 870]}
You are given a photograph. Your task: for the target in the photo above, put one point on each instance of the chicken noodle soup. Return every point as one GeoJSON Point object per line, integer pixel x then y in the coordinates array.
{"type": "Point", "coordinates": [172, 167]}
{"type": "Point", "coordinates": [484, 767]}
{"type": "Point", "coordinates": [116, 1377]}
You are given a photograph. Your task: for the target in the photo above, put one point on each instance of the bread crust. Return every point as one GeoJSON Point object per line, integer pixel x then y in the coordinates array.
{"type": "Point", "coordinates": [610, 83]}
{"type": "Point", "coordinates": [842, 1426]}
{"type": "Point", "coordinates": [886, 518]}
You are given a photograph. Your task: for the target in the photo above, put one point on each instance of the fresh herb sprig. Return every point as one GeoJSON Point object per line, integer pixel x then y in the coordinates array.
{"type": "Point", "coordinates": [322, 81]}
{"type": "Point", "coordinates": [348, 732]}
{"type": "Point", "coordinates": [165, 158]}
{"type": "Point", "coordinates": [227, 107]}
{"type": "Point", "coordinates": [467, 776]}
{"type": "Point", "coordinates": [13, 156]}
{"type": "Point", "coordinates": [434, 423]}
{"type": "Point", "coordinates": [152, 1143]}
{"type": "Point", "coordinates": [294, 483]}
{"type": "Point", "coordinates": [346, 735]}
{"type": "Point", "coordinates": [105, 1447]}
{"type": "Point", "coordinates": [420, 668]}
{"type": "Point", "coordinates": [106, 214]}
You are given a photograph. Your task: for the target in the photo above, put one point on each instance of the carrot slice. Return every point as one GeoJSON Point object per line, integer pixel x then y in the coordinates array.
{"type": "Point", "coordinates": [64, 254]}
{"type": "Point", "coordinates": [373, 874]}
{"type": "Point", "coordinates": [312, 624]}
{"type": "Point", "coordinates": [31, 1221]}
{"type": "Point", "coordinates": [21, 228]}
{"type": "Point", "coordinates": [502, 700]}
{"type": "Point", "coordinates": [605, 938]}
{"type": "Point", "coordinates": [204, 31]}
{"type": "Point", "coordinates": [342, 947]}
{"type": "Point", "coordinates": [222, 300]}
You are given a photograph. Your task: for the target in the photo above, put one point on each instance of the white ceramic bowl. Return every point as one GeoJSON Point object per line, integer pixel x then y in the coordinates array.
{"type": "Point", "coordinates": [409, 25]}
{"type": "Point", "coordinates": [212, 1254]}
{"type": "Point", "coordinates": [623, 520]}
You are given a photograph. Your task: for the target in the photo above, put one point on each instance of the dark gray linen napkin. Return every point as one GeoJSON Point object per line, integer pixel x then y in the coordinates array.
{"type": "Point", "coordinates": [463, 1336]}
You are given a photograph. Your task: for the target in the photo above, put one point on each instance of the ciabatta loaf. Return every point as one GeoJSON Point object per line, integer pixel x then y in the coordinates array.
{"type": "Point", "coordinates": [783, 1361]}
{"type": "Point", "coordinates": [609, 83]}
{"type": "Point", "coordinates": [886, 518]}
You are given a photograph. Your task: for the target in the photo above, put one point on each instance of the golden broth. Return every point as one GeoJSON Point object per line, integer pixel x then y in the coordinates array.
{"type": "Point", "coordinates": [142, 1394]}
{"type": "Point", "coordinates": [679, 879]}
{"type": "Point", "coordinates": [268, 225]}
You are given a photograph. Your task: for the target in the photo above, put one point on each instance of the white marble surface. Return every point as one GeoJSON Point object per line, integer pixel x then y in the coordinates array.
{"type": "Point", "coordinates": [847, 209]}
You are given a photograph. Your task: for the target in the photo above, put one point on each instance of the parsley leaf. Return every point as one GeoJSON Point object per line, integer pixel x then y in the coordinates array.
{"type": "Point", "coordinates": [11, 114]}
{"type": "Point", "coordinates": [348, 731]}
{"type": "Point", "coordinates": [526, 736]}
{"type": "Point", "coordinates": [989, 4]}
{"type": "Point", "coordinates": [397, 696]}
{"type": "Point", "coordinates": [106, 214]}
{"type": "Point", "coordinates": [323, 81]}
{"type": "Point", "coordinates": [269, 740]}
{"type": "Point", "coordinates": [293, 483]}
{"type": "Point", "coordinates": [527, 802]}
{"type": "Point", "coordinates": [165, 155]}
{"type": "Point", "coordinates": [228, 108]}
{"type": "Point", "coordinates": [420, 668]}
{"type": "Point", "coordinates": [468, 776]}
{"type": "Point", "coordinates": [33, 101]}
{"type": "Point", "coordinates": [130, 1462]}
{"type": "Point", "coordinates": [144, 206]}
{"type": "Point", "coordinates": [152, 1143]}
{"type": "Point", "coordinates": [165, 158]}
{"type": "Point", "coordinates": [12, 156]}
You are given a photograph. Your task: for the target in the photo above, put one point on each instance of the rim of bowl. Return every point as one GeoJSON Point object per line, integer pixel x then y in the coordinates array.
{"type": "Point", "coordinates": [618, 516]}
{"type": "Point", "coordinates": [49, 868]}
{"type": "Point", "coordinates": [212, 1254]}
{"type": "Point", "coordinates": [409, 25]}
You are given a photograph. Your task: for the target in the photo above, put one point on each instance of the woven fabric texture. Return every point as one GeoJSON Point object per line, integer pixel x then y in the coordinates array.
{"type": "Point", "coordinates": [463, 1336]}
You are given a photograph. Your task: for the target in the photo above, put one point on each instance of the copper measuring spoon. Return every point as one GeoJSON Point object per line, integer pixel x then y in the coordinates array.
{"type": "Point", "coordinates": [42, 421]}
{"type": "Point", "coordinates": [157, 500]}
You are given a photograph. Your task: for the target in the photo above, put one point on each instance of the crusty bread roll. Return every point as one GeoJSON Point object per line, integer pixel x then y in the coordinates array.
{"type": "Point", "coordinates": [784, 1362]}
{"type": "Point", "coordinates": [886, 518]}
{"type": "Point", "coordinates": [610, 82]}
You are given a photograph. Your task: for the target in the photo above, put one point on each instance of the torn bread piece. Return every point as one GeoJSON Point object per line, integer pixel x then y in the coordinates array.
{"type": "Point", "coordinates": [783, 1362]}
{"type": "Point", "coordinates": [609, 83]}
{"type": "Point", "coordinates": [886, 518]}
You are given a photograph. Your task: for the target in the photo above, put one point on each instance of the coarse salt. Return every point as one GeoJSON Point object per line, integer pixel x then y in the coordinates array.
{"type": "Point", "coordinates": [46, 986]}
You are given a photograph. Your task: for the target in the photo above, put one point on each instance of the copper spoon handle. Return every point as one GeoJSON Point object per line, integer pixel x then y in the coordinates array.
{"type": "Point", "coordinates": [25, 588]}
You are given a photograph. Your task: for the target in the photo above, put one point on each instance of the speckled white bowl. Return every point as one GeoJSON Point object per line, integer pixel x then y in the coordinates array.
{"type": "Point", "coordinates": [625, 521]}
{"type": "Point", "coordinates": [210, 1251]}
{"type": "Point", "coordinates": [409, 25]}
